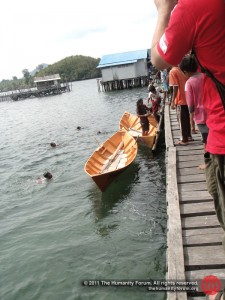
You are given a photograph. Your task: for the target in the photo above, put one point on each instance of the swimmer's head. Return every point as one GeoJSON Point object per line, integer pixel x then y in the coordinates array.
{"type": "Point", "coordinates": [53, 145]}
{"type": "Point", "coordinates": [47, 175]}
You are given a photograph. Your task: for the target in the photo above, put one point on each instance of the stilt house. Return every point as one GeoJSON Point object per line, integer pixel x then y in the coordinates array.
{"type": "Point", "coordinates": [127, 69]}
{"type": "Point", "coordinates": [46, 82]}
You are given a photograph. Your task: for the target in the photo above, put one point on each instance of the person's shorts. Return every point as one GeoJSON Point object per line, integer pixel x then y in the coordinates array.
{"type": "Point", "coordinates": [165, 87]}
{"type": "Point", "coordinates": [145, 126]}
{"type": "Point", "coordinates": [204, 130]}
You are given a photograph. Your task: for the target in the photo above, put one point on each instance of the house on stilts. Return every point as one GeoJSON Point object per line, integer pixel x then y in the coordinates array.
{"type": "Point", "coordinates": [50, 85]}
{"type": "Point", "coordinates": [45, 86]}
{"type": "Point", "coordinates": [124, 70]}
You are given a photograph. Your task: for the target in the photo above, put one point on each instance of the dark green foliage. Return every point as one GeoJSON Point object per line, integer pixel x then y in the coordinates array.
{"type": "Point", "coordinates": [71, 68]}
{"type": "Point", "coordinates": [74, 68]}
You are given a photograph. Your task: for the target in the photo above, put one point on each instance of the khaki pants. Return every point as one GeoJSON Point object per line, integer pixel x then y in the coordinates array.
{"type": "Point", "coordinates": [215, 177]}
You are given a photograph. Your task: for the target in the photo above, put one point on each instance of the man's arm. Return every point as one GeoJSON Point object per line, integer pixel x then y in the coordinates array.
{"type": "Point", "coordinates": [164, 8]}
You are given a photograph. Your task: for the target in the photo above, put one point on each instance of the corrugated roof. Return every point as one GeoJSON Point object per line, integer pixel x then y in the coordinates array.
{"type": "Point", "coordinates": [118, 63]}
{"type": "Point", "coordinates": [122, 58]}
{"type": "Point", "coordinates": [47, 78]}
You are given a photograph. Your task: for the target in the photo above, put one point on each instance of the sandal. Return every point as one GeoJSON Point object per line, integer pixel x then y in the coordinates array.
{"type": "Point", "coordinates": [181, 143]}
{"type": "Point", "coordinates": [194, 131]}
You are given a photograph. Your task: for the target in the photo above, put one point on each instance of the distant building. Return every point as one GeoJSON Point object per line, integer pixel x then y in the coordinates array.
{"type": "Point", "coordinates": [125, 69]}
{"type": "Point", "coordinates": [47, 82]}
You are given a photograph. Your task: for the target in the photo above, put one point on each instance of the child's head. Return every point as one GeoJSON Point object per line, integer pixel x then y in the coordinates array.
{"type": "Point", "coordinates": [152, 89]}
{"type": "Point", "coordinates": [140, 102]}
{"type": "Point", "coordinates": [188, 64]}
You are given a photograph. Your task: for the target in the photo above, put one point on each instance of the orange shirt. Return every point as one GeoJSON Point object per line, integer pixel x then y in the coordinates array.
{"type": "Point", "coordinates": [177, 78]}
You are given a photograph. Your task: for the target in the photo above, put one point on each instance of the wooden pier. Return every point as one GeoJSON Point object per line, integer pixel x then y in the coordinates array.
{"type": "Point", "coordinates": [34, 92]}
{"type": "Point", "coordinates": [194, 237]}
{"type": "Point", "coordinates": [31, 93]}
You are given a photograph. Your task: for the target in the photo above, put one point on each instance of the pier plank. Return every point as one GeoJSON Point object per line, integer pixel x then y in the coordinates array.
{"type": "Point", "coordinates": [200, 222]}
{"type": "Point", "coordinates": [198, 209]}
{"type": "Point", "coordinates": [194, 186]}
{"type": "Point", "coordinates": [190, 178]}
{"type": "Point", "coordinates": [189, 164]}
{"type": "Point", "coordinates": [202, 236]}
{"type": "Point", "coordinates": [195, 149]}
{"type": "Point", "coordinates": [200, 274]}
{"type": "Point", "coordinates": [187, 157]}
{"type": "Point", "coordinates": [205, 256]}
{"type": "Point", "coordinates": [168, 135]}
{"type": "Point", "coordinates": [189, 171]}
{"type": "Point", "coordinates": [194, 196]}
{"type": "Point", "coordinates": [174, 236]}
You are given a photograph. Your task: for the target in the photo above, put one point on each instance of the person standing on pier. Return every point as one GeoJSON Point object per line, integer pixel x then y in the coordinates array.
{"type": "Point", "coordinates": [154, 101]}
{"type": "Point", "coordinates": [200, 25]}
{"type": "Point", "coordinates": [193, 92]}
{"type": "Point", "coordinates": [177, 80]}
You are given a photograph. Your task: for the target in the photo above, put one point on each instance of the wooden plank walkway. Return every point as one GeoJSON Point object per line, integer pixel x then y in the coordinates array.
{"type": "Point", "coordinates": [194, 236]}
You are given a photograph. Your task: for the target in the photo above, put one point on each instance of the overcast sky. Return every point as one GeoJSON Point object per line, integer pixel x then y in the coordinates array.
{"type": "Point", "coordinates": [46, 31]}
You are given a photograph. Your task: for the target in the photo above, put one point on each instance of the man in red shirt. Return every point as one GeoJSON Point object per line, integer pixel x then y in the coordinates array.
{"type": "Point", "coordinates": [181, 26]}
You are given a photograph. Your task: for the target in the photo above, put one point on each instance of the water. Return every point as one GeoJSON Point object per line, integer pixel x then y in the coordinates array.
{"type": "Point", "coordinates": [60, 233]}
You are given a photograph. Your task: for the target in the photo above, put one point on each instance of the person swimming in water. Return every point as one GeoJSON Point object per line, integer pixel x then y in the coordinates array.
{"type": "Point", "coordinates": [46, 177]}
{"type": "Point", "coordinates": [53, 144]}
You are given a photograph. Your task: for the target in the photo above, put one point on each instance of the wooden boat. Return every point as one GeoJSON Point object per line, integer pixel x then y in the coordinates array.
{"type": "Point", "coordinates": [131, 123]}
{"type": "Point", "coordinates": [111, 158]}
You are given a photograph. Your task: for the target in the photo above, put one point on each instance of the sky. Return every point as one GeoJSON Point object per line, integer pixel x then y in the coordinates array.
{"type": "Point", "coordinates": [46, 31]}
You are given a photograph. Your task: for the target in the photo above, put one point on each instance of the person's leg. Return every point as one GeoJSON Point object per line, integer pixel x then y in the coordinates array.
{"type": "Point", "coordinates": [145, 127]}
{"type": "Point", "coordinates": [185, 123]}
{"type": "Point", "coordinates": [204, 133]}
{"type": "Point", "coordinates": [215, 177]}
{"type": "Point", "coordinates": [178, 115]}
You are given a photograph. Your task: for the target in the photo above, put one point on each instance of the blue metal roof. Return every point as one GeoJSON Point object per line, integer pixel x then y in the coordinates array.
{"type": "Point", "coordinates": [122, 58]}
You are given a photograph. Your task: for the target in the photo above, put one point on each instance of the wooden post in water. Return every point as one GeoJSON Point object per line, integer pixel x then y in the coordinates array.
{"type": "Point", "coordinates": [98, 84]}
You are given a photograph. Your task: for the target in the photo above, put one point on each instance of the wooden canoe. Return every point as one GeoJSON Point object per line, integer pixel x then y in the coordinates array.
{"type": "Point", "coordinates": [111, 158]}
{"type": "Point", "coordinates": [131, 123]}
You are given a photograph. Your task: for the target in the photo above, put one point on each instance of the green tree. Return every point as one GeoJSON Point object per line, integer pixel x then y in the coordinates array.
{"type": "Point", "coordinates": [26, 76]}
{"type": "Point", "coordinates": [71, 68]}
{"type": "Point", "coordinates": [39, 67]}
{"type": "Point", "coordinates": [15, 83]}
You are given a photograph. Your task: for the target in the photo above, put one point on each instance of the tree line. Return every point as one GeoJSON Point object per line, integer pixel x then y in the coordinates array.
{"type": "Point", "coordinates": [71, 68]}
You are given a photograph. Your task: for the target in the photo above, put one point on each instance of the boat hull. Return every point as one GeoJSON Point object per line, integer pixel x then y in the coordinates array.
{"type": "Point", "coordinates": [111, 158]}
{"type": "Point", "coordinates": [103, 181]}
{"type": "Point", "coordinates": [131, 123]}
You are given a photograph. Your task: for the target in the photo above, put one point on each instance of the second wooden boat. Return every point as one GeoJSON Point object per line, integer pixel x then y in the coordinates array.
{"type": "Point", "coordinates": [131, 123]}
{"type": "Point", "coordinates": [111, 158]}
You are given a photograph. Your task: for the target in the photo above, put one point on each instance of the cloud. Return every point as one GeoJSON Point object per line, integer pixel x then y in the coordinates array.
{"type": "Point", "coordinates": [48, 31]}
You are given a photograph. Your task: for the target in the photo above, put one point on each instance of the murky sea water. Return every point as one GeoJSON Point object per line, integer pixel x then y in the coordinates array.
{"type": "Point", "coordinates": [56, 235]}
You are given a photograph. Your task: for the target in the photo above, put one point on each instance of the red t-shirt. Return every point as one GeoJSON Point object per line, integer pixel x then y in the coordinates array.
{"type": "Point", "coordinates": [201, 24]}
